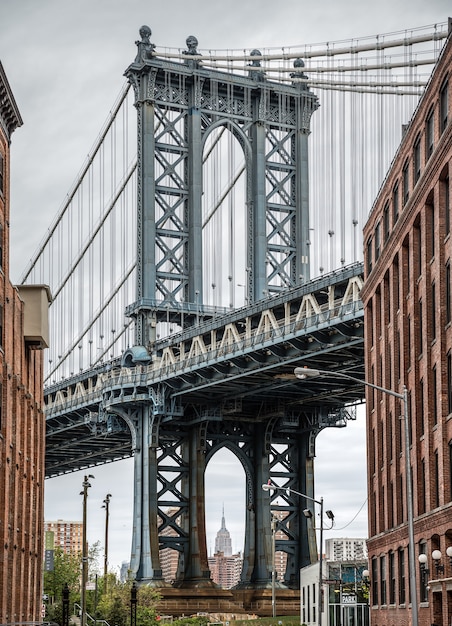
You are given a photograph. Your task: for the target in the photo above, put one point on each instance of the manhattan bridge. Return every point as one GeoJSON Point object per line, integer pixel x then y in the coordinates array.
{"type": "Point", "coordinates": [210, 244]}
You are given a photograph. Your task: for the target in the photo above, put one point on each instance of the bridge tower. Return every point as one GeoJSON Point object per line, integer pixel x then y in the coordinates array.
{"type": "Point", "coordinates": [180, 105]}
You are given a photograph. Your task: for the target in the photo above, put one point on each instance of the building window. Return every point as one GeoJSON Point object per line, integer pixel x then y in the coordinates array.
{"type": "Point", "coordinates": [383, 579]}
{"type": "Point", "coordinates": [435, 400]}
{"type": "Point", "coordinates": [421, 334]}
{"type": "Point", "coordinates": [386, 222]}
{"type": "Point", "coordinates": [431, 214]}
{"type": "Point", "coordinates": [429, 134]}
{"type": "Point", "coordinates": [392, 578]}
{"type": "Point", "coordinates": [433, 311]}
{"type": "Point", "coordinates": [406, 183]}
{"type": "Point", "coordinates": [402, 597]}
{"type": "Point", "coordinates": [450, 470]}
{"type": "Point", "coordinates": [374, 582]}
{"type": "Point", "coordinates": [377, 241]}
{"type": "Point", "coordinates": [398, 357]}
{"type": "Point", "coordinates": [449, 383]}
{"type": "Point", "coordinates": [422, 500]}
{"type": "Point", "coordinates": [417, 233]}
{"type": "Point", "coordinates": [448, 292]}
{"type": "Point", "coordinates": [409, 340]}
{"type": "Point", "coordinates": [445, 188]}
{"type": "Point", "coordinates": [395, 203]}
{"type": "Point", "coordinates": [390, 440]}
{"type": "Point", "coordinates": [2, 173]}
{"type": "Point", "coordinates": [443, 105]}
{"type": "Point", "coordinates": [417, 159]}
{"type": "Point", "coordinates": [421, 402]}
{"type": "Point", "coordinates": [436, 480]}
{"type": "Point", "coordinates": [369, 255]}
{"type": "Point", "coordinates": [391, 506]}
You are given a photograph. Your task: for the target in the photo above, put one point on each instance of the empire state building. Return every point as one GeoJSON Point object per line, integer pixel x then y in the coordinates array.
{"type": "Point", "coordinates": [225, 567]}
{"type": "Point", "coordinates": [223, 539]}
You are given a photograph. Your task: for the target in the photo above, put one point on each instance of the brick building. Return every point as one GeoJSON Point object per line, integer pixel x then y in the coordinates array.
{"type": "Point", "coordinates": [67, 535]}
{"type": "Point", "coordinates": [408, 329]}
{"type": "Point", "coordinates": [225, 569]}
{"type": "Point", "coordinates": [23, 334]}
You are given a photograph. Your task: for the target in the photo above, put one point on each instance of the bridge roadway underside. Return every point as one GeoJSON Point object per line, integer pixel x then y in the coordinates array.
{"type": "Point", "coordinates": [228, 382]}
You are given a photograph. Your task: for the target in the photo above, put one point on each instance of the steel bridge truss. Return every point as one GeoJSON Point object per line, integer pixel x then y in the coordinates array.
{"type": "Point", "coordinates": [183, 110]}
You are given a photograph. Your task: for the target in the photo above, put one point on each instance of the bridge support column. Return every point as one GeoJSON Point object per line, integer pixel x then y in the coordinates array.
{"type": "Point", "coordinates": [300, 458]}
{"type": "Point", "coordinates": [195, 191]}
{"type": "Point", "coordinates": [145, 559]}
{"type": "Point", "coordinates": [196, 567]}
{"type": "Point", "coordinates": [257, 557]}
{"type": "Point", "coordinates": [302, 267]}
{"type": "Point", "coordinates": [258, 219]}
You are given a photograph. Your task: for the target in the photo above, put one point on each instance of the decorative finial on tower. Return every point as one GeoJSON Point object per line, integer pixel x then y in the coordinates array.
{"type": "Point", "coordinates": [192, 50]}
{"type": "Point", "coordinates": [192, 45]}
{"type": "Point", "coordinates": [298, 65]}
{"type": "Point", "coordinates": [145, 47]}
{"type": "Point", "coordinates": [256, 74]}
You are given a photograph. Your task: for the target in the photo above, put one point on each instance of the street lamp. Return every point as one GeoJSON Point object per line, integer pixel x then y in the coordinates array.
{"type": "Point", "coordinates": [106, 506]}
{"type": "Point", "coordinates": [305, 372]}
{"type": "Point", "coordinates": [308, 513]}
{"type": "Point", "coordinates": [84, 493]}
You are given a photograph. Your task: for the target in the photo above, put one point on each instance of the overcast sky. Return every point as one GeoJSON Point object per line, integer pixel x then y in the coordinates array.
{"type": "Point", "coordinates": [65, 61]}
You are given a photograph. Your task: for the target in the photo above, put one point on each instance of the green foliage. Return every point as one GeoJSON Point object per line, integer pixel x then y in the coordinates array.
{"type": "Point", "coordinates": [115, 606]}
{"type": "Point", "coordinates": [66, 570]}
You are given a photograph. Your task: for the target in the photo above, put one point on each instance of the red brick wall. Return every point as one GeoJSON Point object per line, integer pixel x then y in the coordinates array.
{"type": "Point", "coordinates": [408, 338]}
{"type": "Point", "coordinates": [22, 446]}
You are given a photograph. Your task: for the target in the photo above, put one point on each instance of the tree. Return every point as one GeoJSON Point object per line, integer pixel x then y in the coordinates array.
{"type": "Point", "coordinates": [66, 570]}
{"type": "Point", "coordinates": [115, 608]}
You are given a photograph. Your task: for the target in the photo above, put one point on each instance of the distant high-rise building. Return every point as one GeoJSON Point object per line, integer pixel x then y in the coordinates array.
{"type": "Point", "coordinates": [223, 541]}
{"type": "Point", "coordinates": [66, 535]}
{"type": "Point", "coordinates": [225, 570]}
{"type": "Point", "coordinates": [280, 555]}
{"type": "Point", "coordinates": [345, 549]}
{"type": "Point", "coordinates": [169, 558]}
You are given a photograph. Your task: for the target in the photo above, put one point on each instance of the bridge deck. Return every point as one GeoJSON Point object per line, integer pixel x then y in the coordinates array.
{"type": "Point", "coordinates": [235, 367]}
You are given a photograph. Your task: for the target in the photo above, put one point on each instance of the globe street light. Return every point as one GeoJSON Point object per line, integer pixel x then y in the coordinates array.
{"type": "Point", "coordinates": [271, 486]}
{"type": "Point", "coordinates": [305, 372]}
{"type": "Point", "coordinates": [84, 493]}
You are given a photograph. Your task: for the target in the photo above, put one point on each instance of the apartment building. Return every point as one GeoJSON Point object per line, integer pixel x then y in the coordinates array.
{"type": "Point", "coordinates": [407, 300]}
{"type": "Point", "coordinates": [23, 335]}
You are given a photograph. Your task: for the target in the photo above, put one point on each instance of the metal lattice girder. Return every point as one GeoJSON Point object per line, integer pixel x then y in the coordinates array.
{"type": "Point", "coordinates": [179, 105]}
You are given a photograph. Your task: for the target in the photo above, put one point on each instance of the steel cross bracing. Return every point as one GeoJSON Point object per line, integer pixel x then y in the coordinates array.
{"type": "Point", "coordinates": [180, 107]}
{"type": "Point", "coordinates": [228, 382]}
